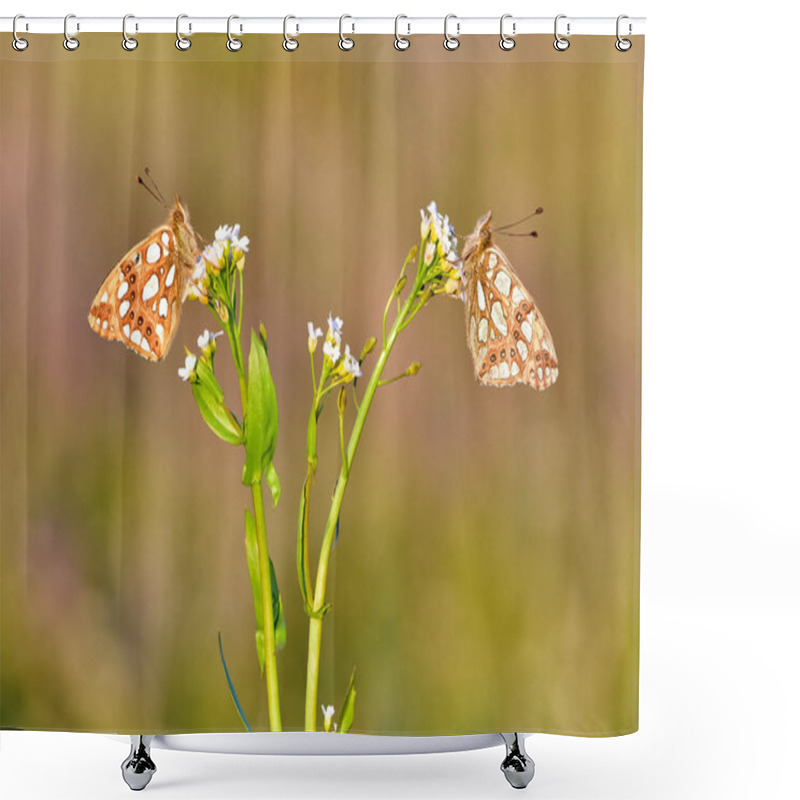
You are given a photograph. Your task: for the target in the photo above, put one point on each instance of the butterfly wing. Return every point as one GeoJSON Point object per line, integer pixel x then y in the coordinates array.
{"type": "Point", "coordinates": [139, 303]}
{"type": "Point", "coordinates": [508, 337]}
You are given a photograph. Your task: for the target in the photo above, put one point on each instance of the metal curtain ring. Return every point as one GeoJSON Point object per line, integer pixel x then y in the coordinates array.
{"type": "Point", "coordinates": [128, 42]}
{"type": "Point", "coordinates": [70, 42]}
{"type": "Point", "coordinates": [345, 42]}
{"type": "Point", "coordinates": [290, 44]}
{"type": "Point", "coordinates": [181, 42]}
{"type": "Point", "coordinates": [233, 44]}
{"type": "Point", "coordinates": [507, 42]}
{"type": "Point", "coordinates": [560, 43]}
{"type": "Point", "coordinates": [400, 42]}
{"type": "Point", "coordinates": [18, 43]}
{"type": "Point", "coordinates": [623, 45]}
{"type": "Point", "coordinates": [451, 42]}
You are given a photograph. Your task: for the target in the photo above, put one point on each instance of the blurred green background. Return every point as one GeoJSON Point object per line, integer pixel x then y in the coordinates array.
{"type": "Point", "coordinates": [486, 577]}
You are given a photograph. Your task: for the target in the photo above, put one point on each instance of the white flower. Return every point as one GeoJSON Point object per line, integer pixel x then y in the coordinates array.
{"type": "Point", "coordinates": [230, 233]}
{"type": "Point", "coordinates": [335, 325]}
{"type": "Point", "coordinates": [331, 349]}
{"type": "Point", "coordinates": [206, 339]}
{"type": "Point", "coordinates": [438, 228]}
{"type": "Point", "coordinates": [313, 335]}
{"type": "Point", "coordinates": [186, 372]}
{"type": "Point", "coordinates": [213, 255]}
{"type": "Point", "coordinates": [327, 713]}
{"type": "Point", "coordinates": [351, 364]}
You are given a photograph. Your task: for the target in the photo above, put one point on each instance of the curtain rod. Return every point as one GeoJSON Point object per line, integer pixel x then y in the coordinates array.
{"type": "Point", "coordinates": [406, 26]}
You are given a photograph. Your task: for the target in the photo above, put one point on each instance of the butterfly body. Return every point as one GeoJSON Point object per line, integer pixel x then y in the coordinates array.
{"type": "Point", "coordinates": [508, 337]}
{"type": "Point", "coordinates": [139, 302]}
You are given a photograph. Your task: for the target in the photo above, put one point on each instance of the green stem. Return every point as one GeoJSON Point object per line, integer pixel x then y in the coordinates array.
{"type": "Point", "coordinates": [318, 604]}
{"type": "Point", "coordinates": [266, 599]}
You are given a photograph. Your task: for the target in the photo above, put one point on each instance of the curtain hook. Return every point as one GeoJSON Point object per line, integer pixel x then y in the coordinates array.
{"type": "Point", "coordinates": [400, 42]}
{"type": "Point", "coordinates": [451, 42]}
{"type": "Point", "coordinates": [70, 42]}
{"type": "Point", "coordinates": [560, 43]}
{"type": "Point", "coordinates": [18, 43]}
{"type": "Point", "coordinates": [290, 43]}
{"type": "Point", "coordinates": [345, 42]}
{"type": "Point", "coordinates": [507, 42]}
{"type": "Point", "coordinates": [128, 42]}
{"type": "Point", "coordinates": [623, 45]}
{"type": "Point", "coordinates": [233, 44]}
{"type": "Point", "coordinates": [181, 42]}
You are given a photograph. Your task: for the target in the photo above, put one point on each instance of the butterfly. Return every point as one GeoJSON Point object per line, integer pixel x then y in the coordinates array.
{"type": "Point", "coordinates": [508, 337]}
{"type": "Point", "coordinates": [139, 303]}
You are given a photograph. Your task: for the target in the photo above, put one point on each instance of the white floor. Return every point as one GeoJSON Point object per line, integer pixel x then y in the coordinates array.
{"type": "Point", "coordinates": [719, 695]}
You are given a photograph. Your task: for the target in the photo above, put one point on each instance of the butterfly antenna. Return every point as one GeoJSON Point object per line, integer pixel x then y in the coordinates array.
{"type": "Point", "coordinates": [532, 234]}
{"type": "Point", "coordinates": [153, 181]}
{"type": "Point", "coordinates": [514, 224]}
{"type": "Point", "coordinates": [159, 200]}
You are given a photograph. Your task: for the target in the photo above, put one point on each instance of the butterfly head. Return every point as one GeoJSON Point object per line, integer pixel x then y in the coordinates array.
{"type": "Point", "coordinates": [479, 239]}
{"type": "Point", "coordinates": [182, 229]}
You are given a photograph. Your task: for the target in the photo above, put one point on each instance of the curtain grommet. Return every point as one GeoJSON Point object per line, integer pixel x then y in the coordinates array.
{"type": "Point", "coordinates": [623, 45]}
{"type": "Point", "coordinates": [181, 42]}
{"type": "Point", "coordinates": [345, 42]}
{"type": "Point", "coordinates": [290, 43]}
{"type": "Point", "coordinates": [129, 43]}
{"type": "Point", "coordinates": [18, 43]}
{"type": "Point", "coordinates": [507, 42]}
{"type": "Point", "coordinates": [71, 43]}
{"type": "Point", "coordinates": [451, 43]}
{"type": "Point", "coordinates": [401, 43]}
{"type": "Point", "coordinates": [233, 44]}
{"type": "Point", "coordinates": [560, 43]}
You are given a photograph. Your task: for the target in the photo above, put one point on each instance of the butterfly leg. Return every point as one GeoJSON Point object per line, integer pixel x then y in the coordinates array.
{"type": "Point", "coordinates": [138, 768]}
{"type": "Point", "coordinates": [517, 766]}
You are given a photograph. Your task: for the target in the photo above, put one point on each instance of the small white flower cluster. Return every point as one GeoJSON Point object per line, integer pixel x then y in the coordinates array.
{"type": "Point", "coordinates": [327, 713]}
{"type": "Point", "coordinates": [205, 341]}
{"type": "Point", "coordinates": [213, 257]}
{"type": "Point", "coordinates": [441, 233]}
{"type": "Point", "coordinates": [344, 363]}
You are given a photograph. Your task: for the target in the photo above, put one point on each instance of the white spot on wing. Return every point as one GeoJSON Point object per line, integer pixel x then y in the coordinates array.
{"type": "Point", "coordinates": [541, 374]}
{"type": "Point", "coordinates": [123, 287]}
{"type": "Point", "coordinates": [494, 372]}
{"type": "Point", "coordinates": [170, 276]}
{"type": "Point", "coordinates": [150, 288]}
{"type": "Point", "coordinates": [160, 331]}
{"type": "Point", "coordinates": [126, 329]}
{"type": "Point", "coordinates": [492, 262]}
{"type": "Point", "coordinates": [504, 370]}
{"type": "Point", "coordinates": [514, 369]}
{"type": "Point", "coordinates": [123, 308]}
{"type": "Point", "coordinates": [481, 297]}
{"type": "Point", "coordinates": [145, 345]}
{"type": "Point", "coordinates": [522, 349]}
{"type": "Point", "coordinates": [153, 253]}
{"type": "Point", "coordinates": [502, 282]}
{"type": "Point", "coordinates": [136, 336]}
{"type": "Point", "coordinates": [516, 296]}
{"type": "Point", "coordinates": [165, 238]}
{"type": "Point", "coordinates": [162, 307]}
{"type": "Point", "coordinates": [105, 324]}
{"type": "Point", "coordinates": [104, 298]}
{"type": "Point", "coordinates": [483, 329]}
{"type": "Point", "coordinates": [527, 331]}
{"type": "Point", "coordinates": [498, 318]}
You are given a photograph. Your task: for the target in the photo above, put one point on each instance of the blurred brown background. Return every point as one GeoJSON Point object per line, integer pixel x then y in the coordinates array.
{"type": "Point", "coordinates": [486, 577]}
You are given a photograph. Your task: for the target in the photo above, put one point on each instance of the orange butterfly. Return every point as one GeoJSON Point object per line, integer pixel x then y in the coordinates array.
{"type": "Point", "coordinates": [139, 303]}
{"type": "Point", "coordinates": [507, 334]}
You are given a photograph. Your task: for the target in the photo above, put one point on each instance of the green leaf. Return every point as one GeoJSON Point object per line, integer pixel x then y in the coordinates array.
{"type": "Point", "coordinates": [302, 522]}
{"type": "Point", "coordinates": [251, 545]}
{"type": "Point", "coordinates": [278, 619]}
{"type": "Point", "coordinates": [261, 420]}
{"type": "Point", "coordinates": [217, 416]}
{"type": "Point", "coordinates": [230, 684]}
{"type": "Point", "coordinates": [349, 705]}
{"type": "Point", "coordinates": [274, 483]}
{"type": "Point", "coordinates": [205, 374]}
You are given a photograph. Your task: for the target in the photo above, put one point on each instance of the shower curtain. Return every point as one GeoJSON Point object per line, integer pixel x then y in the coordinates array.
{"type": "Point", "coordinates": [331, 420]}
